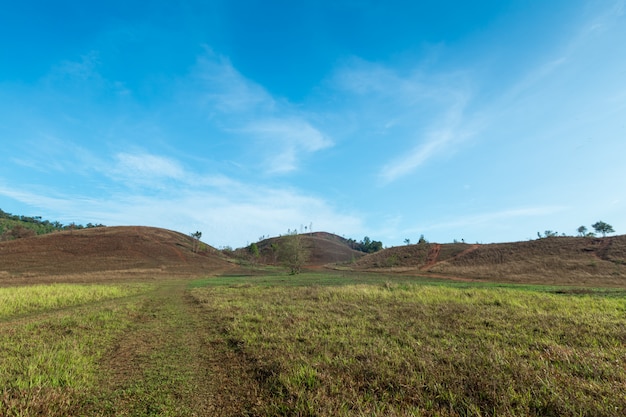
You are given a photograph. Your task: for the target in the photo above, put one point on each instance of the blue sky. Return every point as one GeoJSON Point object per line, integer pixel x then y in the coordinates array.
{"type": "Point", "coordinates": [484, 121]}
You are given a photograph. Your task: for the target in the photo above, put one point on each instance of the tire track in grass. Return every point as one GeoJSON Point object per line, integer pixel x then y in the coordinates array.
{"type": "Point", "coordinates": [232, 381]}
{"type": "Point", "coordinates": [163, 365]}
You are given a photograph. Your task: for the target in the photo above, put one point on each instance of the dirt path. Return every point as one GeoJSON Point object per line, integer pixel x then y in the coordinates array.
{"type": "Point", "coordinates": [173, 361]}
{"type": "Point", "coordinates": [158, 367]}
{"type": "Point", "coordinates": [431, 258]}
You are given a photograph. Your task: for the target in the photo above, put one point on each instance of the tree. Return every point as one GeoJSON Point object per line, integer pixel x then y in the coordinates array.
{"type": "Point", "coordinates": [602, 227]}
{"type": "Point", "coordinates": [292, 252]}
{"type": "Point", "coordinates": [407, 241]}
{"type": "Point", "coordinates": [253, 249]}
{"type": "Point", "coordinates": [196, 241]}
{"type": "Point", "coordinates": [582, 230]}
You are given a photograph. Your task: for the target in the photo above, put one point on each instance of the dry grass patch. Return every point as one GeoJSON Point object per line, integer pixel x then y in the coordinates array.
{"type": "Point", "coordinates": [424, 350]}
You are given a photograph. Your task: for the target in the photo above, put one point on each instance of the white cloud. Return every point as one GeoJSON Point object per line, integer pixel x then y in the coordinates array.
{"type": "Point", "coordinates": [280, 133]}
{"type": "Point", "coordinates": [435, 142]}
{"type": "Point", "coordinates": [227, 211]}
{"type": "Point", "coordinates": [423, 113]}
{"type": "Point", "coordinates": [225, 90]}
{"type": "Point", "coordinates": [143, 166]}
{"type": "Point", "coordinates": [288, 138]}
{"type": "Point", "coordinates": [38, 199]}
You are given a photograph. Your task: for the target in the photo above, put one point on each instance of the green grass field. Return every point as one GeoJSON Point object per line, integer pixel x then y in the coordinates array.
{"type": "Point", "coordinates": [317, 344]}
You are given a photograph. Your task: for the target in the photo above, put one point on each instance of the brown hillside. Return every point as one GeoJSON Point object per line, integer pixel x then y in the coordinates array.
{"type": "Point", "coordinates": [570, 260]}
{"type": "Point", "coordinates": [558, 260]}
{"type": "Point", "coordinates": [411, 257]}
{"type": "Point", "coordinates": [106, 249]}
{"type": "Point", "coordinates": [324, 248]}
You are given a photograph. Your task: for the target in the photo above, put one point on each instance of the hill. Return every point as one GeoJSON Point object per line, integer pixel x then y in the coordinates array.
{"type": "Point", "coordinates": [150, 251]}
{"type": "Point", "coordinates": [323, 248]}
{"type": "Point", "coordinates": [555, 260]}
{"type": "Point", "coordinates": [102, 249]}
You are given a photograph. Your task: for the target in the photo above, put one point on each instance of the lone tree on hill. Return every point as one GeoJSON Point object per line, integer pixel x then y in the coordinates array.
{"type": "Point", "coordinates": [582, 231]}
{"type": "Point", "coordinates": [196, 241]}
{"type": "Point", "coordinates": [292, 252]}
{"type": "Point", "coordinates": [602, 227]}
{"type": "Point", "coordinates": [253, 250]}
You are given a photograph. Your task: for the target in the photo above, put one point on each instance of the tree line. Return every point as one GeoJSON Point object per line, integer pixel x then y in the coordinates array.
{"type": "Point", "coordinates": [18, 227]}
{"type": "Point", "coordinates": [366, 245]}
{"type": "Point", "coordinates": [599, 227]}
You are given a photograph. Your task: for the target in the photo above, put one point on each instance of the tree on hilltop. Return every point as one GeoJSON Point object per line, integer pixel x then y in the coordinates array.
{"type": "Point", "coordinates": [602, 227]}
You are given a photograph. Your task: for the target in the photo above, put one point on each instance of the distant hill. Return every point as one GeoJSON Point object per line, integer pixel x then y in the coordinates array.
{"type": "Point", "coordinates": [569, 260]}
{"type": "Point", "coordinates": [554, 260]}
{"type": "Point", "coordinates": [323, 248]}
{"type": "Point", "coordinates": [107, 249]}
{"type": "Point", "coordinates": [43, 250]}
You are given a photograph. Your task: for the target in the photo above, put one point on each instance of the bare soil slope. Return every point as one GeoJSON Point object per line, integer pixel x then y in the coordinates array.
{"type": "Point", "coordinates": [558, 260]}
{"type": "Point", "coordinates": [411, 257]}
{"type": "Point", "coordinates": [568, 260]}
{"type": "Point", "coordinates": [106, 249]}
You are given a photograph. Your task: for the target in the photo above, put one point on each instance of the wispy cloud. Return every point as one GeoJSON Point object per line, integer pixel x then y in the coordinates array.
{"type": "Point", "coordinates": [227, 211]}
{"type": "Point", "coordinates": [224, 90]}
{"type": "Point", "coordinates": [293, 136]}
{"type": "Point", "coordinates": [493, 225]}
{"type": "Point", "coordinates": [81, 70]}
{"type": "Point", "coordinates": [142, 166]}
{"type": "Point", "coordinates": [282, 134]}
{"type": "Point", "coordinates": [425, 113]}
{"type": "Point", "coordinates": [440, 139]}
{"type": "Point", "coordinates": [431, 145]}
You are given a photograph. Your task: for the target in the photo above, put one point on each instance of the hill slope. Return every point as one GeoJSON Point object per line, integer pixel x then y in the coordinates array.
{"type": "Point", "coordinates": [569, 260]}
{"type": "Point", "coordinates": [323, 248]}
{"type": "Point", "coordinates": [558, 260]}
{"type": "Point", "coordinates": [106, 249]}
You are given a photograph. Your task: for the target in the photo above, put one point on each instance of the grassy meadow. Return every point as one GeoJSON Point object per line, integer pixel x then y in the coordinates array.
{"type": "Point", "coordinates": [51, 338]}
{"type": "Point", "coordinates": [324, 344]}
{"type": "Point", "coordinates": [404, 349]}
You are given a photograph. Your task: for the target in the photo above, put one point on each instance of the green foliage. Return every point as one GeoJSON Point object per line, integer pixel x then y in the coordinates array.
{"type": "Point", "coordinates": [17, 227]}
{"type": "Point", "coordinates": [603, 228]}
{"type": "Point", "coordinates": [367, 245]}
{"type": "Point", "coordinates": [392, 261]}
{"type": "Point", "coordinates": [253, 249]}
{"type": "Point", "coordinates": [292, 252]}
{"type": "Point", "coordinates": [549, 234]}
{"type": "Point", "coordinates": [227, 250]}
